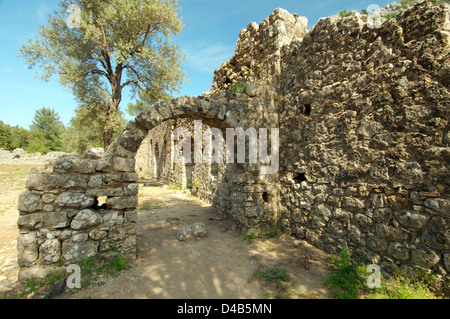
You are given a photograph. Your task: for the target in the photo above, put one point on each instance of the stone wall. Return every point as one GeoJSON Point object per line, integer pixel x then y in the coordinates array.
{"type": "Point", "coordinates": [365, 151]}
{"type": "Point", "coordinates": [75, 208]}
{"type": "Point", "coordinates": [364, 147]}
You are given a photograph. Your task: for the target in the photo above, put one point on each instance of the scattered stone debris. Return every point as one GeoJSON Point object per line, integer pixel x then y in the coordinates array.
{"type": "Point", "coordinates": [197, 230]}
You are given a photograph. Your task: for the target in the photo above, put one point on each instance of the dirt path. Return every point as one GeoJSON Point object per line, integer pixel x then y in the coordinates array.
{"type": "Point", "coordinates": [217, 266]}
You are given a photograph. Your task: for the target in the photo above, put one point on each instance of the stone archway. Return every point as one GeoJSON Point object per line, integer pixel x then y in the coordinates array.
{"type": "Point", "coordinates": [60, 219]}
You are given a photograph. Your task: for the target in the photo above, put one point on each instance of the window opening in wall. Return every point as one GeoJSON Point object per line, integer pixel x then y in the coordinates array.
{"type": "Point", "coordinates": [307, 109]}
{"type": "Point", "coordinates": [101, 201]}
{"type": "Point", "coordinates": [299, 177]}
{"type": "Point", "coordinates": [266, 197]}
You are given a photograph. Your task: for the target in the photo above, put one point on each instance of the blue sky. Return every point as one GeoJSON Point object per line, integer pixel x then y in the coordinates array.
{"type": "Point", "coordinates": [211, 29]}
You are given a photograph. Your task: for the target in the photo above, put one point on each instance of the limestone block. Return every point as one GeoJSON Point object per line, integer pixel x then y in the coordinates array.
{"type": "Point", "coordinates": [398, 251]}
{"type": "Point", "coordinates": [76, 251]}
{"type": "Point", "coordinates": [440, 205]}
{"type": "Point", "coordinates": [50, 251]}
{"type": "Point", "coordinates": [29, 202]}
{"type": "Point", "coordinates": [123, 164]}
{"type": "Point", "coordinates": [27, 249]}
{"type": "Point", "coordinates": [49, 220]}
{"type": "Point", "coordinates": [85, 219]}
{"type": "Point", "coordinates": [75, 200]}
{"type": "Point", "coordinates": [84, 166]}
{"type": "Point", "coordinates": [123, 202]}
{"type": "Point", "coordinates": [411, 219]}
{"type": "Point", "coordinates": [424, 256]}
{"type": "Point", "coordinates": [196, 230]}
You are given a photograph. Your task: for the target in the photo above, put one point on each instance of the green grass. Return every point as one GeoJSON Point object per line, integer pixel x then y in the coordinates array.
{"type": "Point", "coordinates": [92, 269]}
{"type": "Point", "coordinates": [345, 13]}
{"type": "Point", "coordinates": [175, 186]}
{"type": "Point", "coordinates": [347, 280]}
{"type": "Point", "coordinates": [404, 286]}
{"type": "Point", "coordinates": [270, 234]}
{"type": "Point", "coordinates": [275, 279]}
{"type": "Point", "coordinates": [151, 185]}
{"type": "Point", "coordinates": [239, 87]}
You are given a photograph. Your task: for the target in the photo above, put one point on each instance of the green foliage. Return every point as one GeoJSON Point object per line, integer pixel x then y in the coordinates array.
{"type": "Point", "coordinates": [270, 234]}
{"type": "Point", "coordinates": [346, 278]}
{"type": "Point", "coordinates": [12, 137]}
{"type": "Point", "coordinates": [118, 44]}
{"type": "Point", "coordinates": [345, 13]}
{"type": "Point", "coordinates": [273, 278]}
{"type": "Point", "coordinates": [239, 87]}
{"type": "Point", "coordinates": [364, 11]}
{"type": "Point", "coordinates": [86, 128]}
{"type": "Point", "coordinates": [404, 286]}
{"type": "Point", "coordinates": [175, 186]}
{"type": "Point", "coordinates": [45, 132]}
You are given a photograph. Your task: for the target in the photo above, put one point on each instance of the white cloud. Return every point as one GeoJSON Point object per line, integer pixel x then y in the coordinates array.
{"type": "Point", "coordinates": [42, 12]}
{"type": "Point", "coordinates": [206, 58]}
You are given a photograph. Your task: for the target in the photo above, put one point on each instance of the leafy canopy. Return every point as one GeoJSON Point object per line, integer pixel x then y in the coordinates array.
{"type": "Point", "coordinates": [112, 45]}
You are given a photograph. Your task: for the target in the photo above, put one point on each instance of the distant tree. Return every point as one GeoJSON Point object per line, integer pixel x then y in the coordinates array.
{"type": "Point", "coordinates": [86, 129]}
{"type": "Point", "coordinates": [45, 132]}
{"type": "Point", "coordinates": [12, 137]}
{"type": "Point", "coordinates": [5, 136]}
{"type": "Point", "coordinates": [107, 45]}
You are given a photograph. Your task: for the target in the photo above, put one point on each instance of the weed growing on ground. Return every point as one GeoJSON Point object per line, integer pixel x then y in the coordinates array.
{"type": "Point", "coordinates": [348, 280]}
{"type": "Point", "coordinates": [274, 279]}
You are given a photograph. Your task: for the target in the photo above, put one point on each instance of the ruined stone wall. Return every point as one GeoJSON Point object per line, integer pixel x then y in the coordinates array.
{"type": "Point", "coordinates": [363, 116]}
{"type": "Point", "coordinates": [75, 208]}
{"type": "Point", "coordinates": [364, 121]}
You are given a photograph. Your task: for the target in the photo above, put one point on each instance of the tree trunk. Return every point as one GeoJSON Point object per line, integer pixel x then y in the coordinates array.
{"type": "Point", "coordinates": [113, 106]}
{"type": "Point", "coordinates": [108, 129]}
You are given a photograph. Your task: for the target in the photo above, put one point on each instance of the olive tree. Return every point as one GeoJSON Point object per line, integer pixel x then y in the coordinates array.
{"type": "Point", "coordinates": [99, 47]}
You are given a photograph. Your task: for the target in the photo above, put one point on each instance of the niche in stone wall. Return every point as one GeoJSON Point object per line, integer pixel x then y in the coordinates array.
{"type": "Point", "coordinates": [299, 178]}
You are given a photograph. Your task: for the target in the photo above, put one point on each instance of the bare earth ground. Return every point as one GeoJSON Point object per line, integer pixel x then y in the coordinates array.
{"type": "Point", "coordinates": [217, 266]}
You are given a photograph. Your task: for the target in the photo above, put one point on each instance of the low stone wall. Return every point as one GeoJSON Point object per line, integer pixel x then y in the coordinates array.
{"type": "Point", "coordinates": [75, 208]}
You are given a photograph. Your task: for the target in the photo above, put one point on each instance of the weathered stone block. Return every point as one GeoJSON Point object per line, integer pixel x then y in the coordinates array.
{"type": "Point", "coordinates": [85, 219]}
{"type": "Point", "coordinates": [436, 235]}
{"type": "Point", "coordinates": [122, 232]}
{"type": "Point", "coordinates": [75, 200]}
{"type": "Point", "coordinates": [103, 166]}
{"type": "Point", "coordinates": [27, 249]}
{"type": "Point", "coordinates": [411, 219]}
{"type": "Point", "coordinates": [50, 251]}
{"type": "Point", "coordinates": [377, 244]}
{"type": "Point", "coordinates": [196, 230]}
{"type": "Point", "coordinates": [440, 205]}
{"type": "Point", "coordinates": [131, 189]}
{"type": "Point", "coordinates": [123, 202]}
{"type": "Point", "coordinates": [112, 219]}
{"type": "Point", "coordinates": [95, 181]}
{"type": "Point", "coordinates": [51, 220]}
{"type": "Point", "coordinates": [352, 204]}
{"type": "Point", "coordinates": [29, 202]}
{"type": "Point", "coordinates": [97, 234]}
{"type": "Point", "coordinates": [123, 164]}
{"type": "Point", "coordinates": [76, 181]}
{"type": "Point", "coordinates": [398, 251]}
{"type": "Point", "coordinates": [84, 166]}
{"type": "Point", "coordinates": [76, 251]}
{"type": "Point", "coordinates": [110, 191]}
{"type": "Point", "coordinates": [425, 257]}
